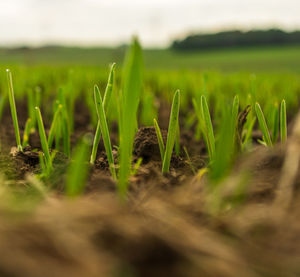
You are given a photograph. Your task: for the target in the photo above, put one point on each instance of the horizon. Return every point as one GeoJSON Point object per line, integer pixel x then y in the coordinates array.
{"type": "Point", "coordinates": [89, 23]}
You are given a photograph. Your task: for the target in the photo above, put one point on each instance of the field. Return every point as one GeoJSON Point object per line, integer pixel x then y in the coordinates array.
{"type": "Point", "coordinates": [159, 164]}
{"type": "Point", "coordinates": [257, 59]}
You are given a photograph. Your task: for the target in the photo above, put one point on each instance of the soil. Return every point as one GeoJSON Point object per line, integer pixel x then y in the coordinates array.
{"type": "Point", "coordinates": [171, 224]}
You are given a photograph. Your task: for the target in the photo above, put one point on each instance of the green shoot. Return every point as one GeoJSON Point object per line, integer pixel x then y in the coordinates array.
{"type": "Point", "coordinates": [78, 169]}
{"type": "Point", "coordinates": [13, 109]}
{"type": "Point", "coordinates": [128, 112]}
{"type": "Point", "coordinates": [54, 125]}
{"type": "Point", "coordinates": [106, 101]}
{"type": "Point", "coordinates": [109, 87]}
{"type": "Point", "coordinates": [248, 135]}
{"type": "Point", "coordinates": [104, 130]}
{"type": "Point", "coordinates": [173, 125]}
{"type": "Point", "coordinates": [43, 137]}
{"type": "Point", "coordinates": [159, 139]}
{"type": "Point", "coordinates": [234, 120]}
{"type": "Point", "coordinates": [263, 125]}
{"type": "Point", "coordinates": [208, 128]}
{"type": "Point", "coordinates": [225, 147]}
{"type": "Point", "coordinates": [283, 121]}
{"type": "Point", "coordinates": [26, 132]}
{"type": "Point", "coordinates": [31, 109]}
{"type": "Point", "coordinates": [275, 129]}
{"type": "Point", "coordinates": [65, 123]}
{"type": "Point", "coordinates": [137, 166]}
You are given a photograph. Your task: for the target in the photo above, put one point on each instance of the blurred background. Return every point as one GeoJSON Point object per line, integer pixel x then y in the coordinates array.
{"type": "Point", "coordinates": [201, 34]}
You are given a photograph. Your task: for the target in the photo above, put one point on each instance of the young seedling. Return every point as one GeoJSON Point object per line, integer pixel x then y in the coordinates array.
{"type": "Point", "coordinates": [263, 125]}
{"type": "Point", "coordinates": [128, 113]}
{"type": "Point", "coordinates": [31, 108]}
{"type": "Point", "coordinates": [43, 138]}
{"type": "Point", "coordinates": [234, 117]}
{"type": "Point", "coordinates": [275, 123]}
{"type": "Point", "coordinates": [104, 131]}
{"type": "Point", "coordinates": [106, 101]}
{"type": "Point", "coordinates": [173, 125]}
{"type": "Point", "coordinates": [54, 125]}
{"type": "Point", "coordinates": [159, 139]}
{"type": "Point", "coordinates": [13, 109]}
{"type": "Point", "coordinates": [247, 138]}
{"type": "Point", "coordinates": [78, 169]}
{"type": "Point", "coordinates": [208, 131]}
{"type": "Point", "coordinates": [283, 122]}
{"type": "Point", "coordinates": [64, 123]}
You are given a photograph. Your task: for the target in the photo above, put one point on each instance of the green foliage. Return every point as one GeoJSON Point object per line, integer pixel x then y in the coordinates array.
{"type": "Point", "coordinates": [172, 131]}
{"type": "Point", "coordinates": [208, 131]}
{"type": "Point", "coordinates": [166, 152]}
{"type": "Point", "coordinates": [275, 129]}
{"type": "Point", "coordinates": [54, 125]}
{"type": "Point", "coordinates": [78, 169]}
{"type": "Point", "coordinates": [132, 85]}
{"type": "Point", "coordinates": [106, 101]}
{"type": "Point", "coordinates": [159, 139]}
{"type": "Point", "coordinates": [43, 138]}
{"type": "Point", "coordinates": [263, 125]}
{"type": "Point", "coordinates": [224, 154]}
{"type": "Point", "coordinates": [283, 121]}
{"type": "Point", "coordinates": [65, 127]}
{"type": "Point", "coordinates": [104, 130]}
{"type": "Point", "coordinates": [13, 109]}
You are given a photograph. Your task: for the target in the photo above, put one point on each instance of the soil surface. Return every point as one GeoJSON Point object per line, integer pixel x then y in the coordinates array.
{"type": "Point", "coordinates": [171, 225]}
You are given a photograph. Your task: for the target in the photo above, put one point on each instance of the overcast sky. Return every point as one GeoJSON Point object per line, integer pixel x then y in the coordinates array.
{"type": "Point", "coordinates": [156, 22]}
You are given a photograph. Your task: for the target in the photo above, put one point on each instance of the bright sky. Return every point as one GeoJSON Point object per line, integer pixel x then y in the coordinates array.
{"type": "Point", "coordinates": [156, 22]}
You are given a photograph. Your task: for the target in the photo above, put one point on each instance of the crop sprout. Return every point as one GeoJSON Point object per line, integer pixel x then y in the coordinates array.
{"type": "Point", "coordinates": [13, 109]}
{"type": "Point", "coordinates": [224, 125]}
{"type": "Point", "coordinates": [166, 152]}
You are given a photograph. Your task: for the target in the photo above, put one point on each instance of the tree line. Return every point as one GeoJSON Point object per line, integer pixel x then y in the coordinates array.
{"type": "Point", "coordinates": [237, 39]}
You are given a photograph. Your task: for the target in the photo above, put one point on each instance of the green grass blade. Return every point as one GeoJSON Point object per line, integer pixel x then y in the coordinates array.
{"type": "Point", "coordinates": [275, 129]}
{"type": "Point", "coordinates": [104, 131]}
{"type": "Point", "coordinates": [65, 127]}
{"type": "Point", "coordinates": [78, 169]}
{"type": "Point", "coordinates": [97, 139]}
{"type": "Point", "coordinates": [234, 118]}
{"type": "Point", "coordinates": [13, 109]}
{"type": "Point", "coordinates": [208, 128]}
{"type": "Point", "coordinates": [263, 125]}
{"type": "Point", "coordinates": [54, 125]}
{"type": "Point", "coordinates": [173, 125]}
{"type": "Point", "coordinates": [31, 108]}
{"type": "Point", "coordinates": [137, 166]}
{"type": "Point", "coordinates": [235, 109]}
{"type": "Point", "coordinates": [129, 105]}
{"type": "Point", "coordinates": [283, 121]}
{"type": "Point", "coordinates": [26, 132]}
{"type": "Point", "coordinates": [200, 127]}
{"type": "Point", "coordinates": [159, 139]}
{"type": "Point", "coordinates": [109, 87]}
{"type": "Point", "coordinates": [106, 101]}
{"type": "Point", "coordinates": [248, 135]}
{"type": "Point", "coordinates": [43, 138]}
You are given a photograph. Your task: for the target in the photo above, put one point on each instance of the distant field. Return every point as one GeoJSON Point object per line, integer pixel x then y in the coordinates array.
{"type": "Point", "coordinates": [262, 59]}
